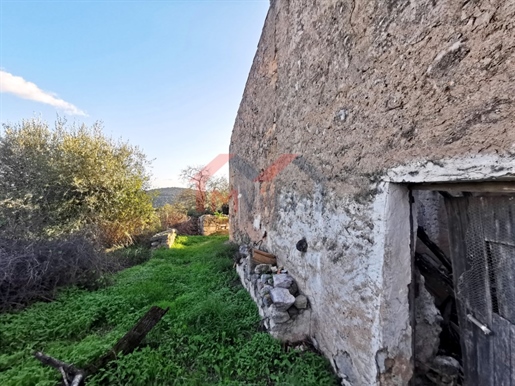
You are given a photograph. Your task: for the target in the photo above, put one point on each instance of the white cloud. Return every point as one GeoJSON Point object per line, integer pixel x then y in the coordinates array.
{"type": "Point", "coordinates": [27, 90]}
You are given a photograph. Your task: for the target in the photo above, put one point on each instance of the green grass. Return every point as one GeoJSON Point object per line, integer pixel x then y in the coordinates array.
{"type": "Point", "coordinates": [208, 337]}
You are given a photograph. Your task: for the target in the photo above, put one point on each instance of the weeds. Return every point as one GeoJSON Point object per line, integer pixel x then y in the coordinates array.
{"type": "Point", "coordinates": [207, 338]}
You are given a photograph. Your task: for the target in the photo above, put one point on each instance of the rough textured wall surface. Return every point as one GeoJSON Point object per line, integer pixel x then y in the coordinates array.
{"type": "Point", "coordinates": [339, 94]}
{"type": "Point", "coordinates": [209, 224]}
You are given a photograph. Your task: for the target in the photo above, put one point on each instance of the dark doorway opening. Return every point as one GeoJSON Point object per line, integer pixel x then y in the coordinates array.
{"type": "Point", "coordinates": [464, 258]}
{"type": "Point", "coordinates": [437, 348]}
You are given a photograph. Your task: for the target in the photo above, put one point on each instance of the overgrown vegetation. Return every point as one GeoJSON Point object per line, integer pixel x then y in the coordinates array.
{"type": "Point", "coordinates": [66, 193]}
{"type": "Point", "coordinates": [178, 214]}
{"type": "Point", "coordinates": [33, 270]}
{"type": "Point", "coordinates": [57, 181]}
{"type": "Point", "coordinates": [209, 336]}
{"type": "Point", "coordinates": [211, 193]}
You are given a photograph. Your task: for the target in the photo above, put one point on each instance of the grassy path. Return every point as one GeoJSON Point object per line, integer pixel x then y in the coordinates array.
{"type": "Point", "coordinates": [208, 337]}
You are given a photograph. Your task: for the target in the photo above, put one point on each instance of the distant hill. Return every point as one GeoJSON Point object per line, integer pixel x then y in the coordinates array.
{"type": "Point", "coordinates": [166, 196]}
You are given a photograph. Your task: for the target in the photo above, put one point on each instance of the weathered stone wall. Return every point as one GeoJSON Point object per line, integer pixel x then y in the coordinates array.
{"type": "Point", "coordinates": [209, 225]}
{"type": "Point", "coordinates": [360, 91]}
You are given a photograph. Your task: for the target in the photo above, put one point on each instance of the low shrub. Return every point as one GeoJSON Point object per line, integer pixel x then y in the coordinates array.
{"type": "Point", "coordinates": [188, 227]}
{"type": "Point", "coordinates": [122, 258]}
{"type": "Point", "coordinates": [170, 215]}
{"type": "Point", "coordinates": [33, 269]}
{"type": "Point", "coordinates": [56, 181]}
{"type": "Point", "coordinates": [177, 217]}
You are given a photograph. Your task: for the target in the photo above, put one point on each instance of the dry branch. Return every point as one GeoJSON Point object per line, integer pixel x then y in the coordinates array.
{"type": "Point", "coordinates": [73, 376]}
{"type": "Point", "coordinates": [131, 340]}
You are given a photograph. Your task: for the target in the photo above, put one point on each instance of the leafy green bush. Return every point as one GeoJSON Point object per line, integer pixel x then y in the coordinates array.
{"type": "Point", "coordinates": [208, 337]}
{"type": "Point", "coordinates": [57, 181]}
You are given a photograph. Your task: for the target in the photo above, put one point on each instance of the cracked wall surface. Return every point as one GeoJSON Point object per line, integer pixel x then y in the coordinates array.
{"type": "Point", "coordinates": [344, 100]}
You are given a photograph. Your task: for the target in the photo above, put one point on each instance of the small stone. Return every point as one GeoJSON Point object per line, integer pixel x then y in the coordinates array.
{"type": "Point", "coordinates": [254, 278]}
{"type": "Point", "coordinates": [302, 245]}
{"type": "Point", "coordinates": [282, 280]}
{"type": "Point", "coordinates": [445, 365]}
{"type": "Point", "coordinates": [293, 311]}
{"type": "Point", "coordinates": [163, 239]}
{"type": "Point", "coordinates": [265, 278]}
{"type": "Point", "coordinates": [282, 298]}
{"type": "Point", "coordinates": [263, 268]}
{"type": "Point", "coordinates": [294, 289]}
{"type": "Point", "coordinates": [265, 290]}
{"type": "Point", "coordinates": [260, 285]}
{"type": "Point", "coordinates": [274, 269]}
{"type": "Point", "coordinates": [279, 316]}
{"type": "Point", "coordinates": [301, 302]}
{"type": "Point", "coordinates": [340, 116]}
{"type": "Point", "coordinates": [267, 300]}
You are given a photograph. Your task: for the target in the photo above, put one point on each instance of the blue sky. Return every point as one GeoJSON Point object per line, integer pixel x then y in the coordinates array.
{"type": "Point", "coordinates": [167, 76]}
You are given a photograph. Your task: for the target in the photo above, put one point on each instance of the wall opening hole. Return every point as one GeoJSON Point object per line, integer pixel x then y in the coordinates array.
{"type": "Point", "coordinates": [437, 348]}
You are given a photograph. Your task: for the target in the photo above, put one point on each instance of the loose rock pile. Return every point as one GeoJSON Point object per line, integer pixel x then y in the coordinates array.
{"type": "Point", "coordinates": [444, 370]}
{"type": "Point", "coordinates": [285, 311]}
{"type": "Point", "coordinates": [278, 292]}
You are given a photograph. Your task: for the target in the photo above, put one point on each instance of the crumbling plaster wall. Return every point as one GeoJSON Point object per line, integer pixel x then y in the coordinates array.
{"type": "Point", "coordinates": [357, 90]}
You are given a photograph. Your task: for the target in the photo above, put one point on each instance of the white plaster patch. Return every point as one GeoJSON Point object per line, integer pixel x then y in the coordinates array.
{"type": "Point", "coordinates": [473, 168]}
{"type": "Point", "coordinates": [257, 222]}
{"type": "Point", "coordinates": [341, 272]}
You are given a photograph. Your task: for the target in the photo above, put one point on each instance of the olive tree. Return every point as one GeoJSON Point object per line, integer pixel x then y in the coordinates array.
{"type": "Point", "coordinates": [58, 180]}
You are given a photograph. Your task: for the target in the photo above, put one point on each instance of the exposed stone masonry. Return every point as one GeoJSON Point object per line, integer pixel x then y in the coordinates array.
{"type": "Point", "coordinates": [285, 311]}
{"type": "Point", "coordinates": [361, 97]}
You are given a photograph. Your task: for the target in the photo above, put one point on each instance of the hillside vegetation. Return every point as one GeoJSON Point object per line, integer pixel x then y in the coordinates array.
{"type": "Point", "coordinates": [67, 193]}
{"type": "Point", "coordinates": [209, 336]}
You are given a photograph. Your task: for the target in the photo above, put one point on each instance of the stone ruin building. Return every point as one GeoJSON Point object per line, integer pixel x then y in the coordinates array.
{"type": "Point", "coordinates": [373, 155]}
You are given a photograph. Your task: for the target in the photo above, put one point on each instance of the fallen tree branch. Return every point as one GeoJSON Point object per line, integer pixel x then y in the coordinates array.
{"type": "Point", "coordinates": [73, 376]}
{"type": "Point", "coordinates": [131, 340]}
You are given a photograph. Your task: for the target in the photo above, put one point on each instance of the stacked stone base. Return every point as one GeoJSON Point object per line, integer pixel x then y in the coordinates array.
{"type": "Point", "coordinates": [285, 311]}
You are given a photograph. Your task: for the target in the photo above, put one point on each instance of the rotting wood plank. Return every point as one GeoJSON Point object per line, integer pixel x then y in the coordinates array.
{"type": "Point", "coordinates": [458, 222]}
{"type": "Point", "coordinates": [485, 361]}
{"type": "Point", "coordinates": [501, 339]}
{"type": "Point", "coordinates": [504, 276]}
{"type": "Point", "coordinates": [72, 376]}
{"type": "Point", "coordinates": [482, 234]}
{"type": "Point", "coordinates": [512, 353]}
{"type": "Point", "coordinates": [440, 255]}
{"type": "Point", "coordinates": [500, 235]}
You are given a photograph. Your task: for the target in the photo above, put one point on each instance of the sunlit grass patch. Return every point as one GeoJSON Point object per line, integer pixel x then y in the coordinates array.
{"type": "Point", "coordinates": [208, 337]}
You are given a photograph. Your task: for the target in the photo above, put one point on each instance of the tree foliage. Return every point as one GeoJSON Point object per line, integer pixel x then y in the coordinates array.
{"type": "Point", "coordinates": [57, 181]}
{"type": "Point", "coordinates": [218, 194]}
{"type": "Point", "coordinates": [211, 192]}
{"type": "Point", "coordinates": [196, 177]}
